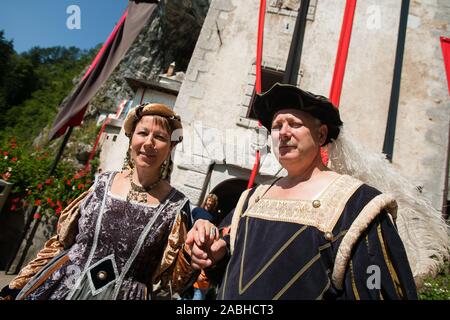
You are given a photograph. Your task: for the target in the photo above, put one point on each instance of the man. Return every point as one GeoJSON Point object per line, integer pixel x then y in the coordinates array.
{"type": "Point", "coordinates": [313, 234]}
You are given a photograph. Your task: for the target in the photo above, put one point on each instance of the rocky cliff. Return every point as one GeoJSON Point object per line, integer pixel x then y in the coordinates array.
{"type": "Point", "coordinates": [169, 36]}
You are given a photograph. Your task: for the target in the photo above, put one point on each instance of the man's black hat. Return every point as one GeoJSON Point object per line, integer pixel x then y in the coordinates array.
{"type": "Point", "coordinates": [286, 96]}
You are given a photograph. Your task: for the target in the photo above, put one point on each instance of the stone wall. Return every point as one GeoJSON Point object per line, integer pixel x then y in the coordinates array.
{"type": "Point", "coordinates": [220, 78]}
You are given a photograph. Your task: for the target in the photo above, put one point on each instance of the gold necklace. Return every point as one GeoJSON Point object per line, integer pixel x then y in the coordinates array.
{"type": "Point", "coordinates": [139, 193]}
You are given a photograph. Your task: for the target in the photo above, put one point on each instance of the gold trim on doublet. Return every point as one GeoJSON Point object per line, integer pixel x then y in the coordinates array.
{"type": "Point", "coordinates": [323, 217]}
{"type": "Point", "coordinates": [242, 288]}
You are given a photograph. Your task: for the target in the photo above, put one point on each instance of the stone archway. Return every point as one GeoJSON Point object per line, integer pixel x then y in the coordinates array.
{"type": "Point", "coordinates": [228, 193]}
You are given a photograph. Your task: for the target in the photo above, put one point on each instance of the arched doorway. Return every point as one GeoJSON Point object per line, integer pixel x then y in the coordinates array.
{"type": "Point", "coordinates": [228, 193]}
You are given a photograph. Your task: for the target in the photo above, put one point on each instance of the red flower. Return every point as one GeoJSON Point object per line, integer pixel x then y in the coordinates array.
{"type": "Point", "coordinates": [14, 159]}
{"type": "Point", "coordinates": [48, 181]}
{"type": "Point", "coordinates": [29, 192]}
{"type": "Point", "coordinates": [88, 181]}
{"type": "Point", "coordinates": [39, 186]}
{"type": "Point", "coordinates": [15, 200]}
{"type": "Point", "coordinates": [50, 202]}
{"type": "Point", "coordinates": [37, 215]}
{"type": "Point", "coordinates": [5, 153]}
{"type": "Point", "coordinates": [58, 210]}
{"type": "Point", "coordinates": [37, 202]}
{"type": "Point", "coordinates": [13, 207]}
{"type": "Point", "coordinates": [80, 186]}
{"type": "Point", "coordinates": [58, 203]}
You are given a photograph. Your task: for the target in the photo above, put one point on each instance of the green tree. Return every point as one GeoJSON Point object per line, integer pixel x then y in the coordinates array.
{"type": "Point", "coordinates": [39, 80]}
{"type": "Point", "coordinates": [6, 51]}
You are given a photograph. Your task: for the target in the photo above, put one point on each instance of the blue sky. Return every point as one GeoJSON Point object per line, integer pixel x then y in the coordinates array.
{"type": "Point", "coordinates": [43, 22]}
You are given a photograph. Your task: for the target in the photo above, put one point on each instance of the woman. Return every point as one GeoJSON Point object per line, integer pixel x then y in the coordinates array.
{"type": "Point", "coordinates": [208, 209]}
{"type": "Point", "coordinates": [124, 239]}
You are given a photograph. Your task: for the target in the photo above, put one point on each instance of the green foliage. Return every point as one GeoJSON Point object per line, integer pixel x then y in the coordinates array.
{"type": "Point", "coordinates": [437, 288]}
{"type": "Point", "coordinates": [33, 85]}
{"type": "Point", "coordinates": [21, 79]}
{"type": "Point", "coordinates": [28, 171]}
{"type": "Point", "coordinates": [6, 50]}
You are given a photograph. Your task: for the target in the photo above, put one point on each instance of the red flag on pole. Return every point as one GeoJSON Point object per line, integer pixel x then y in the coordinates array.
{"type": "Point", "coordinates": [259, 47]}
{"type": "Point", "coordinates": [341, 60]}
{"type": "Point", "coordinates": [445, 44]}
{"type": "Point", "coordinates": [342, 52]}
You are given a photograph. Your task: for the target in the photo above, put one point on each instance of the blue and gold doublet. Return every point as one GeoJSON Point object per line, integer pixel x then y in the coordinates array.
{"type": "Point", "coordinates": [318, 249]}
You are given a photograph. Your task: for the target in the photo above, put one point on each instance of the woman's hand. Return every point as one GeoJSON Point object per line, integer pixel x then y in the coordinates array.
{"type": "Point", "coordinates": [205, 246]}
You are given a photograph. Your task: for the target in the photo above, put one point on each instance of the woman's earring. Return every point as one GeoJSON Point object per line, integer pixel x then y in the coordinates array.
{"type": "Point", "coordinates": [128, 163]}
{"type": "Point", "coordinates": [166, 169]}
{"type": "Point", "coordinates": [163, 170]}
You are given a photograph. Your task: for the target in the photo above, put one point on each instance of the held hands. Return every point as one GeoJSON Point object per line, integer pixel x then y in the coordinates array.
{"type": "Point", "coordinates": [204, 245]}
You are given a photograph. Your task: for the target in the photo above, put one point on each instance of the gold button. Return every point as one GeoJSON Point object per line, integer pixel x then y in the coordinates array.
{"type": "Point", "coordinates": [316, 203]}
{"type": "Point", "coordinates": [328, 236]}
{"type": "Point", "coordinates": [101, 275]}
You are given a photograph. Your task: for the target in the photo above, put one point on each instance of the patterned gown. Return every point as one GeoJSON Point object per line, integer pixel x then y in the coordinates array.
{"type": "Point", "coordinates": [117, 251]}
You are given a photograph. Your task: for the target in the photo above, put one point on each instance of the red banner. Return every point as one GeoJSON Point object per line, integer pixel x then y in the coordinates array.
{"type": "Point", "coordinates": [445, 44]}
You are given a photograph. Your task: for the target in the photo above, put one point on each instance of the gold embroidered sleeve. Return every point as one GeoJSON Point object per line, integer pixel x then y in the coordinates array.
{"type": "Point", "coordinates": [67, 229]}
{"type": "Point", "coordinates": [175, 272]}
{"type": "Point", "coordinates": [51, 248]}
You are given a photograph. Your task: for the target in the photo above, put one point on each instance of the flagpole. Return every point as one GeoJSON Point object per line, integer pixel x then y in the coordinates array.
{"type": "Point", "coordinates": [342, 52]}
{"type": "Point", "coordinates": [60, 151]}
{"type": "Point", "coordinates": [258, 88]}
{"type": "Point", "coordinates": [389, 136]}
{"type": "Point", "coordinates": [296, 48]}
{"type": "Point", "coordinates": [445, 45]}
{"type": "Point", "coordinates": [341, 61]}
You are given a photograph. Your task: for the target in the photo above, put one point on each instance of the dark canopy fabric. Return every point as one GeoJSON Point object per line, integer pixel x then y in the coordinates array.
{"type": "Point", "coordinates": [126, 31]}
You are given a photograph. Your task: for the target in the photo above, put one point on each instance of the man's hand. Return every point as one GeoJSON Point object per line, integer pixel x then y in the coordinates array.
{"type": "Point", "coordinates": [205, 246]}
